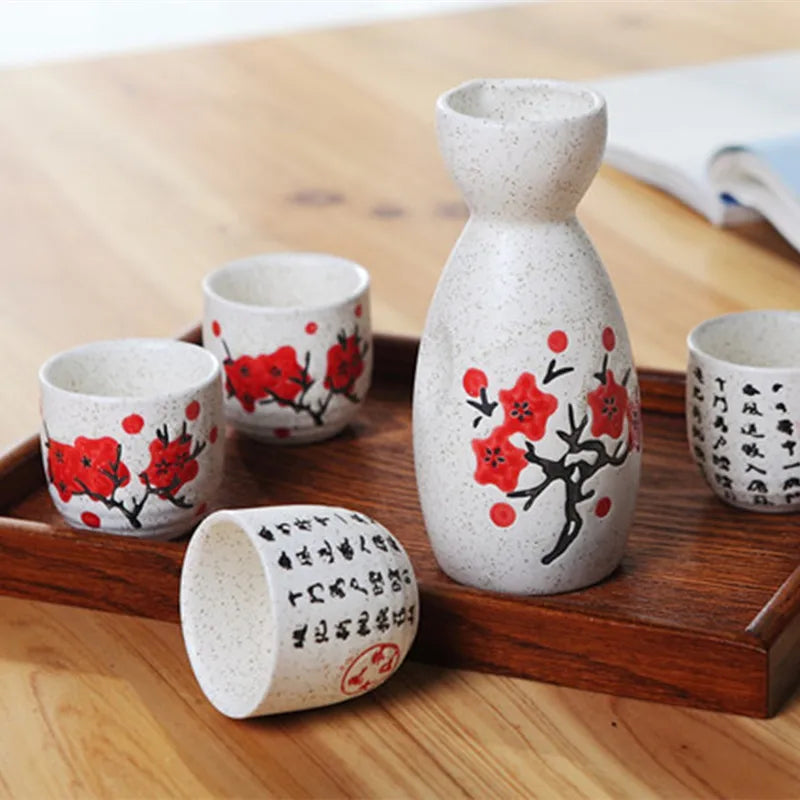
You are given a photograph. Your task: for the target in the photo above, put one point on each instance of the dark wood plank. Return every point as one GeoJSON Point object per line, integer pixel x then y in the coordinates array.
{"type": "Point", "coordinates": [20, 472]}
{"type": "Point", "coordinates": [703, 610]}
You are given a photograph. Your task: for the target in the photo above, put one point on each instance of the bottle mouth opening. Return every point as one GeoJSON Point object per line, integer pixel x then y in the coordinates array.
{"type": "Point", "coordinates": [523, 102]}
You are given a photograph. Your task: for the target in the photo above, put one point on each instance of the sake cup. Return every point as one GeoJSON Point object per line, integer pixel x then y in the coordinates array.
{"type": "Point", "coordinates": [292, 332]}
{"type": "Point", "coordinates": [743, 408]}
{"type": "Point", "coordinates": [293, 607]}
{"type": "Point", "coordinates": [131, 437]}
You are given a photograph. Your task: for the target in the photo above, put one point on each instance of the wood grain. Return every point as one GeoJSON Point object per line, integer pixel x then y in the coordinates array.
{"type": "Point", "coordinates": [123, 180]}
{"type": "Point", "coordinates": [700, 612]}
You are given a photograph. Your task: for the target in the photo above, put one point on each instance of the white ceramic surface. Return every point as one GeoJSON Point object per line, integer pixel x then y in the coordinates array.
{"type": "Point", "coordinates": [743, 408]}
{"type": "Point", "coordinates": [133, 436]}
{"type": "Point", "coordinates": [527, 431]}
{"type": "Point", "coordinates": [292, 607]}
{"type": "Point", "coordinates": [292, 332]}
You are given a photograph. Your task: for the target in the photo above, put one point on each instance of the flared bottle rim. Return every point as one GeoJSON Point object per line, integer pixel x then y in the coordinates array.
{"type": "Point", "coordinates": [520, 102]}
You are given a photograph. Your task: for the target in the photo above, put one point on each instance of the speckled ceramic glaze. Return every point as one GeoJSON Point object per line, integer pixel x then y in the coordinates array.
{"type": "Point", "coordinates": [292, 331]}
{"type": "Point", "coordinates": [132, 437]}
{"type": "Point", "coordinates": [527, 430]}
{"type": "Point", "coordinates": [743, 408]}
{"type": "Point", "coordinates": [293, 607]}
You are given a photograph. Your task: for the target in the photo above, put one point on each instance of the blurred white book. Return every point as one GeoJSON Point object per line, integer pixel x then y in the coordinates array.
{"type": "Point", "coordinates": [723, 137]}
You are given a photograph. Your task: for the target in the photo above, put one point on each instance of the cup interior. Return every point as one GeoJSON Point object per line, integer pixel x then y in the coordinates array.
{"type": "Point", "coordinates": [130, 368]}
{"type": "Point", "coordinates": [227, 617]}
{"type": "Point", "coordinates": [756, 339]}
{"type": "Point", "coordinates": [288, 280]}
{"type": "Point", "coordinates": [522, 101]}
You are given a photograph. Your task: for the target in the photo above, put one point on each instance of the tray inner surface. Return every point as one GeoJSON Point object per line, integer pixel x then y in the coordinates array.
{"type": "Point", "coordinates": [690, 616]}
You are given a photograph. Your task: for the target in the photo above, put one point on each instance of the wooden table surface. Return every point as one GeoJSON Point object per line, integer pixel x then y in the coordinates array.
{"type": "Point", "coordinates": [123, 181]}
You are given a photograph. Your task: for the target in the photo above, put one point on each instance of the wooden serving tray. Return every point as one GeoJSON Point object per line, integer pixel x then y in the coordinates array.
{"type": "Point", "coordinates": [702, 612]}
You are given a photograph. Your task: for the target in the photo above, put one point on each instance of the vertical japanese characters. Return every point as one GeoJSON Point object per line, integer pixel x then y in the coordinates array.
{"type": "Point", "coordinates": [338, 593]}
{"type": "Point", "coordinates": [744, 438]}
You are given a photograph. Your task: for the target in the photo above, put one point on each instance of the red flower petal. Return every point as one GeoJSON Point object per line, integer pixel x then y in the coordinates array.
{"type": "Point", "coordinates": [634, 417]}
{"type": "Point", "coordinates": [216, 329]}
{"type": "Point", "coordinates": [90, 519]}
{"type": "Point", "coordinates": [603, 506]}
{"type": "Point", "coordinates": [193, 410]}
{"type": "Point", "coordinates": [527, 408]}
{"type": "Point", "coordinates": [502, 514]}
{"type": "Point", "coordinates": [557, 341]}
{"type": "Point", "coordinates": [98, 460]}
{"type": "Point", "coordinates": [474, 380]}
{"type": "Point", "coordinates": [609, 339]}
{"type": "Point", "coordinates": [311, 328]}
{"type": "Point", "coordinates": [609, 405]}
{"type": "Point", "coordinates": [212, 435]}
{"type": "Point", "coordinates": [132, 424]}
{"type": "Point", "coordinates": [498, 461]}
{"type": "Point", "coordinates": [358, 310]}
{"type": "Point", "coordinates": [171, 465]}
{"type": "Point", "coordinates": [345, 365]}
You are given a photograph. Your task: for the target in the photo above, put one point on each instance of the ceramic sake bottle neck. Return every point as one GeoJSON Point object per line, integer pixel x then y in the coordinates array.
{"type": "Point", "coordinates": [522, 151]}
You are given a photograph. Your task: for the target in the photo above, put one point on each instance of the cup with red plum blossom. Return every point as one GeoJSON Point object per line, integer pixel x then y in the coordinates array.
{"type": "Point", "coordinates": [132, 435]}
{"type": "Point", "coordinates": [292, 333]}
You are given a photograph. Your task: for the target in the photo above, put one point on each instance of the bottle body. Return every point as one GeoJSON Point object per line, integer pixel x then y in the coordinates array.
{"type": "Point", "coordinates": [527, 431]}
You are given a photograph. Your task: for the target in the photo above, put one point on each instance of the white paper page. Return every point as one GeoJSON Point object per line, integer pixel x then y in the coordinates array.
{"type": "Point", "coordinates": [674, 120]}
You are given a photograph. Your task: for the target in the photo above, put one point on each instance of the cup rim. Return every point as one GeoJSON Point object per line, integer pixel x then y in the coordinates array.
{"type": "Point", "coordinates": [596, 104]}
{"type": "Point", "coordinates": [212, 373]}
{"type": "Point", "coordinates": [201, 535]}
{"type": "Point", "coordinates": [363, 281]}
{"type": "Point", "coordinates": [696, 350]}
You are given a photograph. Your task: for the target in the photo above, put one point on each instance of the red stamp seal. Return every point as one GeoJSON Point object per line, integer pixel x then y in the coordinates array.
{"type": "Point", "coordinates": [370, 668]}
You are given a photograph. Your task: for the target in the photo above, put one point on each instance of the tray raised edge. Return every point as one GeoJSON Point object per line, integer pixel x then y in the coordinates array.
{"type": "Point", "coordinates": [140, 578]}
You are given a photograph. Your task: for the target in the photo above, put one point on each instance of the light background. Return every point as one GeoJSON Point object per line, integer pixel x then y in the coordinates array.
{"type": "Point", "coordinates": [35, 31]}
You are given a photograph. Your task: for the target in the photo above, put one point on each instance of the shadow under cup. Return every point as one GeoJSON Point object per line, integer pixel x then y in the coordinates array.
{"type": "Point", "coordinates": [743, 408]}
{"type": "Point", "coordinates": [292, 332]}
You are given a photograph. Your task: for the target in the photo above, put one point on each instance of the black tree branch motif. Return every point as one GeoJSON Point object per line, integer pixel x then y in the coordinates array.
{"type": "Point", "coordinates": [278, 379]}
{"type": "Point", "coordinates": [573, 475]}
{"type": "Point", "coordinates": [611, 411]}
{"type": "Point", "coordinates": [87, 468]}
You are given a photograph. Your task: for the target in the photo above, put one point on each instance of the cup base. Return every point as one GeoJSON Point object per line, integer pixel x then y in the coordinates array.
{"type": "Point", "coordinates": [291, 436]}
{"type": "Point", "coordinates": [777, 508]}
{"type": "Point", "coordinates": [564, 586]}
{"type": "Point", "coordinates": [159, 533]}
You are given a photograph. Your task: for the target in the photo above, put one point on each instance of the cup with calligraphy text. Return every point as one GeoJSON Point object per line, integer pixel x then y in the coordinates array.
{"type": "Point", "coordinates": [133, 435]}
{"type": "Point", "coordinates": [292, 332]}
{"type": "Point", "coordinates": [743, 408]}
{"type": "Point", "coordinates": [292, 607]}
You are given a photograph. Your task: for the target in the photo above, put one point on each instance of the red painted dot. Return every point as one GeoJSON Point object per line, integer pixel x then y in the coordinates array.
{"type": "Point", "coordinates": [609, 340]}
{"type": "Point", "coordinates": [133, 423]}
{"type": "Point", "coordinates": [474, 380]}
{"type": "Point", "coordinates": [90, 519]}
{"type": "Point", "coordinates": [201, 509]}
{"type": "Point", "coordinates": [193, 410]}
{"type": "Point", "coordinates": [311, 328]}
{"type": "Point", "coordinates": [502, 514]}
{"type": "Point", "coordinates": [557, 341]}
{"type": "Point", "coordinates": [603, 506]}
{"type": "Point", "coordinates": [216, 328]}
{"type": "Point", "coordinates": [212, 434]}
{"type": "Point", "coordinates": [359, 310]}
{"type": "Point", "coordinates": [282, 433]}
